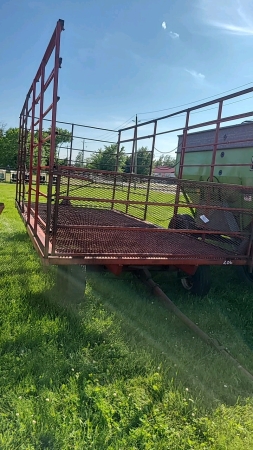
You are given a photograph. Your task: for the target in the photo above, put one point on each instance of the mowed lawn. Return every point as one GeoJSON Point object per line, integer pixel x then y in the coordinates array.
{"type": "Point", "coordinates": [115, 370]}
{"type": "Point", "coordinates": [131, 201]}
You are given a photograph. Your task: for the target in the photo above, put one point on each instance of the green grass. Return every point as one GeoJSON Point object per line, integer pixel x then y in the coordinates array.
{"type": "Point", "coordinates": [157, 214]}
{"type": "Point", "coordinates": [116, 370]}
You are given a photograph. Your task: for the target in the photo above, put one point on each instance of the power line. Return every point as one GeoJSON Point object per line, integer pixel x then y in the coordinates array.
{"type": "Point", "coordinates": [116, 130]}
{"type": "Point", "coordinates": [214, 107]}
{"type": "Point", "coordinates": [197, 101]}
{"type": "Point", "coordinates": [198, 112]}
{"type": "Point", "coordinates": [170, 151]}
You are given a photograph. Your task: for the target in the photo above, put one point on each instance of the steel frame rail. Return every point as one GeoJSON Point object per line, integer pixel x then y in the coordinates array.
{"type": "Point", "coordinates": [34, 99]}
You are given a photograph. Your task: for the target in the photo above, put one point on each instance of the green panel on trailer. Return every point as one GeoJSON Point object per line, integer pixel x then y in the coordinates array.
{"type": "Point", "coordinates": [235, 146]}
{"type": "Point", "coordinates": [242, 175]}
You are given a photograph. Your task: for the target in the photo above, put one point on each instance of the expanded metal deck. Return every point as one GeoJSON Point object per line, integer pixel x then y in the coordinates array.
{"type": "Point", "coordinates": [101, 235]}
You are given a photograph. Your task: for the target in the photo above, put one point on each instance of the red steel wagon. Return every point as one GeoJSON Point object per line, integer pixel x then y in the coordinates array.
{"type": "Point", "coordinates": [77, 215]}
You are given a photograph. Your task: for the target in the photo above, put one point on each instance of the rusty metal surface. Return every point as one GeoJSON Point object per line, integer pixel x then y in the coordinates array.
{"type": "Point", "coordinates": [128, 243]}
{"type": "Point", "coordinates": [119, 241]}
{"type": "Point", "coordinates": [110, 233]}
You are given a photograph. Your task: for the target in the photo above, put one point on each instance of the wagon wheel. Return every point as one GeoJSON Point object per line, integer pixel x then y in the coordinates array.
{"type": "Point", "coordinates": [182, 222]}
{"type": "Point", "coordinates": [199, 283]}
{"type": "Point", "coordinates": [191, 224]}
{"type": "Point", "coordinates": [243, 271]}
{"type": "Point", "coordinates": [244, 274]}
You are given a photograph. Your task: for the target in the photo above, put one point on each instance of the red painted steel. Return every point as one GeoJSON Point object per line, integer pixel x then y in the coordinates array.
{"type": "Point", "coordinates": [53, 48]}
{"type": "Point", "coordinates": [215, 145]}
{"type": "Point", "coordinates": [40, 138]}
{"type": "Point", "coordinates": [31, 150]}
{"type": "Point", "coordinates": [57, 64]}
{"type": "Point", "coordinates": [181, 162]}
{"type": "Point", "coordinates": [194, 108]}
{"type": "Point", "coordinates": [150, 168]}
{"type": "Point", "coordinates": [92, 216]}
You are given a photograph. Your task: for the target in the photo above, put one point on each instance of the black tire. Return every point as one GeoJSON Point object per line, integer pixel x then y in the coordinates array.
{"type": "Point", "coordinates": [199, 283]}
{"type": "Point", "coordinates": [190, 221]}
{"type": "Point", "coordinates": [243, 271]}
{"type": "Point", "coordinates": [244, 275]}
{"type": "Point", "coordinates": [182, 222]}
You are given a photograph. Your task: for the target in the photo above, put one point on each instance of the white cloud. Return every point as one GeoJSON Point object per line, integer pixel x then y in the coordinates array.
{"type": "Point", "coordinates": [229, 16]}
{"type": "Point", "coordinates": [233, 29]}
{"type": "Point", "coordinates": [196, 75]}
{"type": "Point", "coordinates": [164, 25]}
{"type": "Point", "coordinates": [173, 35]}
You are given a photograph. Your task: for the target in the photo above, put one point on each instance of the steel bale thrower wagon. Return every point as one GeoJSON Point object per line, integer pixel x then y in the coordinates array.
{"type": "Point", "coordinates": [128, 219]}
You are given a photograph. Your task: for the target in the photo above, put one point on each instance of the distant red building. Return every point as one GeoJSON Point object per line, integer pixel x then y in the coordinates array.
{"type": "Point", "coordinates": [166, 172]}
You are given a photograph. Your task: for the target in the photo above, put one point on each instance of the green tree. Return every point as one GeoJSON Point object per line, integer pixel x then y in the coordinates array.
{"type": "Point", "coordinates": [107, 159]}
{"type": "Point", "coordinates": [8, 146]}
{"type": "Point", "coordinates": [62, 137]}
{"type": "Point", "coordinates": [2, 128]}
{"type": "Point", "coordinates": [143, 161]}
{"type": "Point", "coordinates": [79, 162]}
{"type": "Point", "coordinates": [63, 162]}
{"type": "Point", "coordinates": [128, 163]}
{"type": "Point", "coordinates": [165, 161]}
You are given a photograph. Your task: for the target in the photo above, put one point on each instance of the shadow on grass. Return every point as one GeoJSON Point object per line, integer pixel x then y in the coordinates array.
{"type": "Point", "coordinates": [235, 302]}
{"type": "Point", "coordinates": [229, 300]}
{"type": "Point", "coordinates": [148, 324]}
{"type": "Point", "coordinates": [61, 335]}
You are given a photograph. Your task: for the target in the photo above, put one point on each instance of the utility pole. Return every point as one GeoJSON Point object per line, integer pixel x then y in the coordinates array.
{"type": "Point", "coordinates": [134, 162]}
{"type": "Point", "coordinates": [135, 152]}
{"type": "Point", "coordinates": [83, 153]}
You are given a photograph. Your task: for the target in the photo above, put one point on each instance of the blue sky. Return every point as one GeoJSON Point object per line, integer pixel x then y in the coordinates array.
{"type": "Point", "coordinates": [126, 57]}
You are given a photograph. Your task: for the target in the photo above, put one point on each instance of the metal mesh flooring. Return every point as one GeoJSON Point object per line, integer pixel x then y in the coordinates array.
{"type": "Point", "coordinates": [121, 242]}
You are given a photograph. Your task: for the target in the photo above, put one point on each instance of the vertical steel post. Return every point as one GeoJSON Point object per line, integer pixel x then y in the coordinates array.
{"type": "Point", "coordinates": [24, 152]}
{"type": "Point", "coordinates": [132, 167]}
{"type": "Point", "coordinates": [116, 170]}
{"type": "Point", "coordinates": [70, 156]}
{"type": "Point", "coordinates": [216, 138]}
{"type": "Point", "coordinates": [31, 152]}
{"type": "Point", "coordinates": [55, 213]}
{"type": "Point", "coordinates": [135, 151]}
{"type": "Point", "coordinates": [150, 169]}
{"type": "Point", "coordinates": [40, 138]}
{"type": "Point", "coordinates": [20, 171]}
{"type": "Point", "coordinates": [58, 30]}
{"type": "Point", "coordinates": [182, 155]}
{"type": "Point", "coordinates": [19, 156]}
{"type": "Point", "coordinates": [181, 161]}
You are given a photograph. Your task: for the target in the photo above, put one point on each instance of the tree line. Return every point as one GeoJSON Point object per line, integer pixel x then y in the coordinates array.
{"type": "Point", "coordinates": [9, 146]}
{"type": "Point", "coordinates": [108, 159]}
{"type": "Point", "coordinates": [102, 159]}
